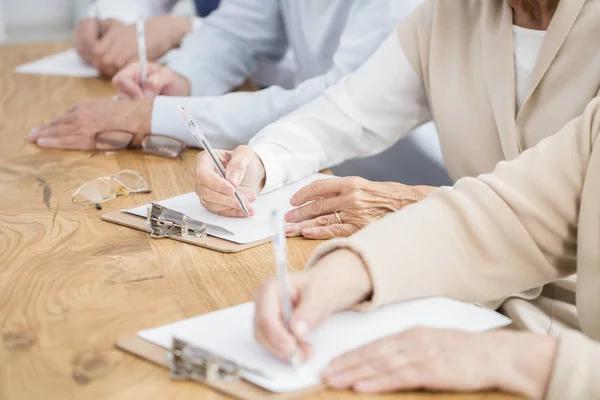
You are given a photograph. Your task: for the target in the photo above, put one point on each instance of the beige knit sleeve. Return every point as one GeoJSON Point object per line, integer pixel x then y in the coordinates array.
{"type": "Point", "coordinates": [486, 237]}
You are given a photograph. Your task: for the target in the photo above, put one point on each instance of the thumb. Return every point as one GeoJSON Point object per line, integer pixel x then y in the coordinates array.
{"type": "Point", "coordinates": [308, 314]}
{"type": "Point", "coordinates": [156, 82]}
{"type": "Point", "coordinates": [236, 169]}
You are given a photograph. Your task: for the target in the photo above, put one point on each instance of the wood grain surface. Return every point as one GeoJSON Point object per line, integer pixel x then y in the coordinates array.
{"type": "Point", "coordinates": [71, 284]}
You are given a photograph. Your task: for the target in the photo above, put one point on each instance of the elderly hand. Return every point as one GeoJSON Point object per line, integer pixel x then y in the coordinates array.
{"type": "Point", "coordinates": [448, 360]}
{"type": "Point", "coordinates": [86, 37]}
{"type": "Point", "coordinates": [340, 207]}
{"type": "Point", "coordinates": [161, 81]}
{"type": "Point", "coordinates": [337, 283]}
{"type": "Point", "coordinates": [76, 129]}
{"type": "Point", "coordinates": [244, 171]}
{"type": "Point", "coordinates": [118, 45]}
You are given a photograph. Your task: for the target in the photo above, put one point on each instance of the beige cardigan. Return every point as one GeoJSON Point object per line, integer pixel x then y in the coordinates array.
{"type": "Point", "coordinates": [534, 220]}
{"type": "Point", "coordinates": [516, 229]}
{"type": "Point", "coordinates": [463, 52]}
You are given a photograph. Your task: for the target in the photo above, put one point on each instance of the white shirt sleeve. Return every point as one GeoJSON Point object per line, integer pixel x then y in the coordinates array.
{"type": "Point", "coordinates": [128, 11]}
{"type": "Point", "coordinates": [232, 119]}
{"type": "Point", "coordinates": [219, 54]}
{"type": "Point", "coordinates": [364, 114]}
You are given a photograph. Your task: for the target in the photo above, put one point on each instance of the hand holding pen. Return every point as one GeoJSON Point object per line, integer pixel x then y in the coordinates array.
{"type": "Point", "coordinates": [224, 187]}
{"type": "Point", "coordinates": [279, 246]}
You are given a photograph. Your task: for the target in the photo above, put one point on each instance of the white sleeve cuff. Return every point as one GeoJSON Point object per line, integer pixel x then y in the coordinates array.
{"type": "Point", "coordinates": [274, 171]}
{"type": "Point", "coordinates": [166, 120]}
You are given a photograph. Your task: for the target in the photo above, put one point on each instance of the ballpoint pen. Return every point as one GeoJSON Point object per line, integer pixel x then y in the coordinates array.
{"type": "Point", "coordinates": [99, 26]}
{"type": "Point", "coordinates": [194, 130]}
{"type": "Point", "coordinates": [141, 42]}
{"type": "Point", "coordinates": [279, 245]}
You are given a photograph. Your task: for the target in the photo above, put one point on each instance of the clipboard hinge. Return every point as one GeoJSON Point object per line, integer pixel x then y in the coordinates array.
{"type": "Point", "coordinates": [188, 362]}
{"type": "Point", "coordinates": [164, 223]}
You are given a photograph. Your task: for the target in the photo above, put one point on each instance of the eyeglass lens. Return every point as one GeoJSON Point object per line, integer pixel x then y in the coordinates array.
{"type": "Point", "coordinates": [107, 141]}
{"type": "Point", "coordinates": [163, 146]}
{"type": "Point", "coordinates": [131, 180]}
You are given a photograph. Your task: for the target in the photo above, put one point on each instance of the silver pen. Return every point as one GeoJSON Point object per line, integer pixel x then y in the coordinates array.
{"type": "Point", "coordinates": [141, 42]}
{"type": "Point", "coordinates": [191, 124]}
{"type": "Point", "coordinates": [279, 245]}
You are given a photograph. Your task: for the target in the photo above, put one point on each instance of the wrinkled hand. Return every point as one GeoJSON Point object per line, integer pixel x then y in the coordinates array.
{"type": "Point", "coordinates": [86, 37]}
{"type": "Point", "coordinates": [244, 171]}
{"type": "Point", "coordinates": [357, 201]}
{"type": "Point", "coordinates": [447, 360]}
{"type": "Point", "coordinates": [160, 81]}
{"type": "Point", "coordinates": [76, 129]}
{"type": "Point", "coordinates": [339, 281]}
{"type": "Point", "coordinates": [118, 47]}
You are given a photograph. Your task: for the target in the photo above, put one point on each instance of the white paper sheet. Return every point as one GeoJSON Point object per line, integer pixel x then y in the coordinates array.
{"type": "Point", "coordinates": [229, 333]}
{"type": "Point", "coordinates": [67, 63]}
{"type": "Point", "coordinates": [246, 230]}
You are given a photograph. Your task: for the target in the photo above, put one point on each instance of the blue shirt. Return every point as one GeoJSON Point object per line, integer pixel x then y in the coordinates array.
{"type": "Point", "coordinates": [205, 7]}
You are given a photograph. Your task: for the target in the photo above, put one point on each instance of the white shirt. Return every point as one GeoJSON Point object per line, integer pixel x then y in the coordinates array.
{"type": "Point", "coordinates": [527, 46]}
{"type": "Point", "coordinates": [128, 11]}
{"type": "Point", "coordinates": [364, 114]}
{"type": "Point", "coordinates": [267, 72]}
{"type": "Point", "coordinates": [329, 39]}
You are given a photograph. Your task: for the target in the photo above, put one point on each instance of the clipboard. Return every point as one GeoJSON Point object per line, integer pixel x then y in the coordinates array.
{"type": "Point", "coordinates": [209, 242]}
{"type": "Point", "coordinates": [240, 389]}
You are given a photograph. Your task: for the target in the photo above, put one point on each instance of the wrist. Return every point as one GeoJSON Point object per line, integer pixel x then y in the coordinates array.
{"type": "Point", "coordinates": [179, 27]}
{"type": "Point", "coordinates": [349, 271]}
{"type": "Point", "coordinates": [134, 116]}
{"type": "Point", "coordinates": [524, 362]}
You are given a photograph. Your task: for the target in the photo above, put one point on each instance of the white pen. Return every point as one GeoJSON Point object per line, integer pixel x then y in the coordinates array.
{"type": "Point", "coordinates": [98, 18]}
{"type": "Point", "coordinates": [279, 245]}
{"type": "Point", "coordinates": [141, 42]}
{"type": "Point", "coordinates": [194, 130]}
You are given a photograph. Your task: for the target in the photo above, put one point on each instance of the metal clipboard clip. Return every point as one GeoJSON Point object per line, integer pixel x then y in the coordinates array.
{"type": "Point", "coordinates": [189, 362]}
{"type": "Point", "coordinates": [164, 223]}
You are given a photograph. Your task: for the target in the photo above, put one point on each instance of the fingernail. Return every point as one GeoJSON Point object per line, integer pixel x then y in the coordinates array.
{"type": "Point", "coordinates": [42, 142]}
{"type": "Point", "coordinates": [300, 328]}
{"type": "Point", "coordinates": [228, 191]}
{"type": "Point", "coordinates": [288, 229]}
{"type": "Point", "coordinates": [234, 178]}
{"type": "Point", "coordinates": [293, 200]}
{"type": "Point", "coordinates": [33, 132]}
{"type": "Point", "coordinates": [148, 93]}
{"type": "Point", "coordinates": [288, 216]}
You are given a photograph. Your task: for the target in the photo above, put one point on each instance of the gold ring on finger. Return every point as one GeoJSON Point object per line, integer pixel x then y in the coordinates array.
{"type": "Point", "coordinates": [337, 217]}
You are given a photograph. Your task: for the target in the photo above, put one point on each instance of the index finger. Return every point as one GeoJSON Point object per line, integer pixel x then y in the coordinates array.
{"type": "Point", "coordinates": [316, 190]}
{"type": "Point", "coordinates": [206, 174]}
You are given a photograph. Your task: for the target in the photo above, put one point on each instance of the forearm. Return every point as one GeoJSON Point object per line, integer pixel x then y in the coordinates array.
{"type": "Point", "coordinates": [364, 114]}
{"type": "Point", "coordinates": [521, 362]}
{"type": "Point", "coordinates": [221, 53]}
{"type": "Point", "coordinates": [128, 11]}
{"type": "Point", "coordinates": [172, 26]}
{"type": "Point", "coordinates": [488, 237]}
{"type": "Point", "coordinates": [130, 116]}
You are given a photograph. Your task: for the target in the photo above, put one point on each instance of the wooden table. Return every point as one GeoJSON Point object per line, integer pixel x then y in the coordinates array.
{"type": "Point", "coordinates": [71, 285]}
